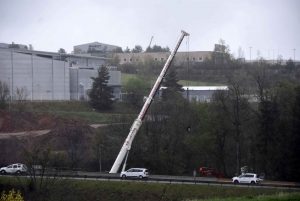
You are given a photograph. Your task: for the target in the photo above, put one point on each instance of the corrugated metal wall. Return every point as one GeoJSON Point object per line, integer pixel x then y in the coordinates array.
{"type": "Point", "coordinates": [44, 78]}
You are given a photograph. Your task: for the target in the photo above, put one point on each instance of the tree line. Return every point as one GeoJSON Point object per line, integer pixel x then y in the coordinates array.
{"type": "Point", "coordinates": [255, 123]}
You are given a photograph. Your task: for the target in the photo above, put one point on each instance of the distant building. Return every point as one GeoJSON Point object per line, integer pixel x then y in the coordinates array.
{"type": "Point", "coordinates": [93, 48]}
{"type": "Point", "coordinates": [195, 57]}
{"type": "Point", "coordinates": [198, 93]}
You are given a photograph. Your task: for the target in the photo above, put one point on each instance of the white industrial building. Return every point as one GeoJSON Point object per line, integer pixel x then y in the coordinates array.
{"type": "Point", "coordinates": [198, 93]}
{"type": "Point", "coordinates": [81, 82]}
{"type": "Point", "coordinates": [50, 76]}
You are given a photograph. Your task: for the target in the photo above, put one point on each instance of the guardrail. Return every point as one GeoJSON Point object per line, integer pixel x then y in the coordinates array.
{"type": "Point", "coordinates": [282, 185]}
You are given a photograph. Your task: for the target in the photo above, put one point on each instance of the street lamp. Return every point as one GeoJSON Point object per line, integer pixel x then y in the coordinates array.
{"type": "Point", "coordinates": [294, 54]}
{"type": "Point", "coordinates": [100, 160]}
{"type": "Point", "coordinates": [9, 94]}
{"type": "Point", "coordinates": [250, 54]}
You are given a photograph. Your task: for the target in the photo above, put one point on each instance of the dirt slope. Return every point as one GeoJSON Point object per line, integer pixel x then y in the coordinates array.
{"type": "Point", "coordinates": [13, 121]}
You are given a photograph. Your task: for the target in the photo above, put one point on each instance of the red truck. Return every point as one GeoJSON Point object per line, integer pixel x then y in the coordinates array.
{"type": "Point", "coordinates": [204, 171]}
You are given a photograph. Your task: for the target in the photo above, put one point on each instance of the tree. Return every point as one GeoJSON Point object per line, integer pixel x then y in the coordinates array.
{"type": "Point", "coordinates": [61, 50]}
{"type": "Point", "coordinates": [13, 45]}
{"type": "Point", "coordinates": [114, 61]}
{"type": "Point", "coordinates": [157, 48]}
{"type": "Point", "coordinates": [127, 50]}
{"type": "Point", "coordinates": [100, 94]}
{"type": "Point", "coordinates": [172, 89]}
{"type": "Point", "coordinates": [137, 49]}
{"type": "Point", "coordinates": [118, 50]}
{"type": "Point", "coordinates": [235, 106]}
{"type": "Point", "coordinates": [290, 66]}
{"type": "Point", "coordinates": [4, 95]}
{"type": "Point", "coordinates": [136, 89]}
{"type": "Point", "coordinates": [20, 96]}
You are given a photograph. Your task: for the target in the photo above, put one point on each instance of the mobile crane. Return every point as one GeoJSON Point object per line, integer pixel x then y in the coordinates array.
{"type": "Point", "coordinates": [138, 122]}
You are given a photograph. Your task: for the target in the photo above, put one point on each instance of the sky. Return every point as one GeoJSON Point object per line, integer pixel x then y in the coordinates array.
{"type": "Point", "coordinates": [271, 27]}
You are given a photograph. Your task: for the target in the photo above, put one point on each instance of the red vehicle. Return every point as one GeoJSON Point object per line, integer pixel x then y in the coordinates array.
{"type": "Point", "coordinates": [205, 171]}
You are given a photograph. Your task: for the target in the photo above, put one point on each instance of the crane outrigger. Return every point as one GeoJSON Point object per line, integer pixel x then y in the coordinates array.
{"type": "Point", "coordinates": [138, 122]}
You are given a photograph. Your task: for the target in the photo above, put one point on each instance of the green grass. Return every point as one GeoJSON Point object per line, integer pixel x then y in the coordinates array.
{"type": "Point", "coordinates": [125, 77]}
{"type": "Point", "coordinates": [82, 110]}
{"type": "Point", "coordinates": [69, 189]}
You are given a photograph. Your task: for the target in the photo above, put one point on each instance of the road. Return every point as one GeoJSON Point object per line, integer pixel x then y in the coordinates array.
{"type": "Point", "coordinates": [183, 180]}
{"type": "Point", "coordinates": [34, 133]}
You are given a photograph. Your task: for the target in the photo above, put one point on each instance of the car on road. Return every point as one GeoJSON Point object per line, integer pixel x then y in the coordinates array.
{"type": "Point", "coordinates": [14, 168]}
{"type": "Point", "coordinates": [246, 178]}
{"type": "Point", "coordinates": [135, 172]}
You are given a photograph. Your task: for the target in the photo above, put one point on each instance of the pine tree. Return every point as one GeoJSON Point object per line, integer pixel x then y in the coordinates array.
{"type": "Point", "coordinates": [173, 88]}
{"type": "Point", "coordinates": [100, 94]}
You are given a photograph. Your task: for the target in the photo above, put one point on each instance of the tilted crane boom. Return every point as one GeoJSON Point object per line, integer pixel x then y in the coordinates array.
{"type": "Point", "coordinates": [138, 122]}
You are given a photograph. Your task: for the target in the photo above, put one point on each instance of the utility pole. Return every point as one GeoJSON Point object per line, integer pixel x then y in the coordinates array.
{"type": "Point", "coordinates": [9, 93]}
{"type": "Point", "coordinates": [294, 54]}
{"type": "Point", "coordinates": [250, 54]}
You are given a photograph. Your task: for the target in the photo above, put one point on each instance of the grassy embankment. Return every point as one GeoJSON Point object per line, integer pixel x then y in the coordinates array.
{"type": "Point", "coordinates": [82, 109]}
{"type": "Point", "coordinates": [70, 189]}
{"type": "Point", "coordinates": [125, 77]}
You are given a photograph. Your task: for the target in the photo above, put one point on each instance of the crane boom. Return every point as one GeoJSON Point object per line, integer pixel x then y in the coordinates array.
{"type": "Point", "coordinates": [137, 123]}
{"type": "Point", "coordinates": [150, 41]}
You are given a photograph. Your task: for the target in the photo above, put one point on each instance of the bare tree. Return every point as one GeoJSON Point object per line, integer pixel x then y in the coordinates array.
{"type": "Point", "coordinates": [20, 97]}
{"type": "Point", "coordinates": [40, 159]}
{"type": "Point", "coordinates": [4, 95]}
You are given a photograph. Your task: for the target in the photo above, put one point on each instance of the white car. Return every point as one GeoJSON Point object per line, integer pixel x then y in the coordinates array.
{"type": "Point", "coordinates": [14, 168]}
{"type": "Point", "coordinates": [135, 172]}
{"type": "Point", "coordinates": [246, 178]}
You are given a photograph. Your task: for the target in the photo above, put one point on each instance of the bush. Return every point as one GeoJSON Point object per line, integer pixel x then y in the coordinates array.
{"type": "Point", "coordinates": [12, 195]}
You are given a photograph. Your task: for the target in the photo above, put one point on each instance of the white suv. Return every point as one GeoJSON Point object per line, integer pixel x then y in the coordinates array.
{"type": "Point", "coordinates": [135, 172]}
{"type": "Point", "coordinates": [246, 178]}
{"type": "Point", "coordinates": [14, 168]}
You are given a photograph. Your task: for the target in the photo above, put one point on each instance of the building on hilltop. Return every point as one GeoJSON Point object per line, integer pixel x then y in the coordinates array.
{"type": "Point", "coordinates": [195, 57]}
{"type": "Point", "coordinates": [93, 48]}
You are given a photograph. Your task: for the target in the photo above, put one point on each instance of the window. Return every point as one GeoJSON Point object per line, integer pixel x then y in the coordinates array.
{"type": "Point", "coordinates": [124, 59]}
{"type": "Point", "coordinates": [187, 58]}
{"type": "Point", "coordinates": [155, 59]}
{"type": "Point", "coordinates": [130, 59]}
{"type": "Point", "coordinates": [136, 59]}
{"type": "Point", "coordinates": [194, 58]}
{"type": "Point", "coordinates": [200, 58]}
{"type": "Point", "coordinates": [161, 59]}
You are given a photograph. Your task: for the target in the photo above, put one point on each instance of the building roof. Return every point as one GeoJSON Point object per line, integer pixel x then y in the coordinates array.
{"type": "Point", "coordinates": [203, 88]}
{"type": "Point", "coordinates": [35, 52]}
{"type": "Point", "coordinates": [94, 43]}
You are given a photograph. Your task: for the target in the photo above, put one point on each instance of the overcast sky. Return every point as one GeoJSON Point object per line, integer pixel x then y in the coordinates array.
{"type": "Point", "coordinates": [270, 26]}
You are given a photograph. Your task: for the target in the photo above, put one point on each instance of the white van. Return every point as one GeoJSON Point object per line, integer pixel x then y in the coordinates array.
{"type": "Point", "coordinates": [135, 172]}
